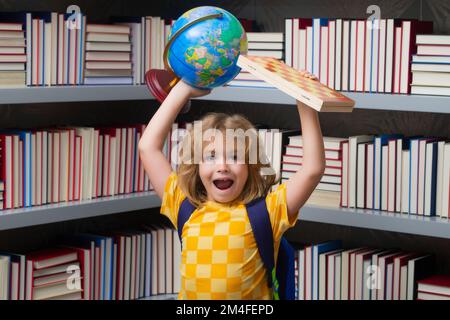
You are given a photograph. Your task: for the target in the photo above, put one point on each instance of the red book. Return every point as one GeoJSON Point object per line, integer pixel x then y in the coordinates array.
{"type": "Point", "coordinates": [45, 259]}
{"type": "Point", "coordinates": [438, 284]}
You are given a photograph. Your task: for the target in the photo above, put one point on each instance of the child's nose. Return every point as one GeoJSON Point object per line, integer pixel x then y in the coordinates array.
{"type": "Point", "coordinates": [222, 166]}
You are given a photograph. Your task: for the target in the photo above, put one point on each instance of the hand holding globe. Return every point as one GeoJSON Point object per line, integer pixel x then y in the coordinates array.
{"type": "Point", "coordinates": [203, 49]}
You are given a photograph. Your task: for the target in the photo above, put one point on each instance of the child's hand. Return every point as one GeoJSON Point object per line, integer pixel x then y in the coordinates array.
{"type": "Point", "coordinates": [191, 91]}
{"type": "Point", "coordinates": [308, 75]}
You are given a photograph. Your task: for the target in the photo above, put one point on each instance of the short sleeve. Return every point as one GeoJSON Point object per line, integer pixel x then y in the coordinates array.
{"type": "Point", "coordinates": [277, 208]}
{"type": "Point", "coordinates": [172, 198]}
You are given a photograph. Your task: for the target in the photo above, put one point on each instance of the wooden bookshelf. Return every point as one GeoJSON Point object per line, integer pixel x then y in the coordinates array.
{"type": "Point", "coordinates": [373, 101]}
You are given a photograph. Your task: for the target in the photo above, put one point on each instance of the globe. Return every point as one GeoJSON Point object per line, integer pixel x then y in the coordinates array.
{"type": "Point", "coordinates": [204, 55]}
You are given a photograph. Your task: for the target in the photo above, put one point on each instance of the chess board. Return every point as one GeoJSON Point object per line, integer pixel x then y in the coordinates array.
{"type": "Point", "coordinates": [294, 83]}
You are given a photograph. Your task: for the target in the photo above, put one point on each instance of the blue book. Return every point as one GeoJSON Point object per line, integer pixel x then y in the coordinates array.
{"type": "Point", "coordinates": [316, 251]}
{"type": "Point", "coordinates": [430, 178]}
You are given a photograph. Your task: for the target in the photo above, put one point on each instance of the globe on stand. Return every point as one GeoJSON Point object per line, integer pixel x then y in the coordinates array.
{"type": "Point", "coordinates": [202, 50]}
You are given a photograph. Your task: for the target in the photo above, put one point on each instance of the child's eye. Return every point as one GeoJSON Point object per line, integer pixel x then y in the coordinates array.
{"type": "Point", "coordinates": [210, 158]}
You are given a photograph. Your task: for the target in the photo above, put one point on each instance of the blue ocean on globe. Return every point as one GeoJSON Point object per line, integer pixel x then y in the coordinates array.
{"type": "Point", "coordinates": [205, 54]}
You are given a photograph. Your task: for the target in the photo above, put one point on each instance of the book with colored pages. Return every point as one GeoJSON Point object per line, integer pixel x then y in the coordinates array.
{"type": "Point", "coordinates": [292, 82]}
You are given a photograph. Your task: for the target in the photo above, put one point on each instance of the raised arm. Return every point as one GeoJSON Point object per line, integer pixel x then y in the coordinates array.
{"type": "Point", "coordinates": [152, 141]}
{"type": "Point", "coordinates": [300, 186]}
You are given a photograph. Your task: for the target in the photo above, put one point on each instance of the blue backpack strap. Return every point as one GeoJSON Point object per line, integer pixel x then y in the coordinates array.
{"type": "Point", "coordinates": [184, 213]}
{"type": "Point", "coordinates": [262, 231]}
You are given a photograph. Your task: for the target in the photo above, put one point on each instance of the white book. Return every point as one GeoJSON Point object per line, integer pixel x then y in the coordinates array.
{"type": "Point", "coordinates": [345, 55]}
{"type": "Point", "coordinates": [345, 170]}
{"type": "Point", "coordinates": [56, 166]}
{"type": "Point", "coordinates": [384, 177]}
{"type": "Point", "coordinates": [332, 54]}
{"type": "Point", "coordinates": [142, 266]}
{"type": "Point", "coordinates": [308, 273]}
{"type": "Point", "coordinates": [406, 56]}
{"type": "Point", "coordinates": [154, 266]}
{"type": "Point", "coordinates": [445, 207]}
{"type": "Point", "coordinates": [302, 49]}
{"type": "Point", "coordinates": [133, 267]}
{"type": "Point", "coordinates": [265, 36]}
{"type": "Point", "coordinates": [382, 55]}
{"type": "Point", "coordinates": [345, 272]}
{"type": "Point", "coordinates": [405, 181]}
{"type": "Point", "coordinates": [323, 64]}
{"type": "Point", "coordinates": [389, 55]}
{"type": "Point", "coordinates": [309, 49]}
{"type": "Point", "coordinates": [352, 167]}
{"type": "Point", "coordinates": [397, 58]}
{"type": "Point", "coordinates": [389, 281]}
{"type": "Point", "coordinates": [369, 176]}
{"type": "Point", "coordinates": [360, 58]}
{"type": "Point", "coordinates": [277, 54]}
{"type": "Point", "coordinates": [295, 43]}
{"type": "Point", "coordinates": [368, 62]}
{"type": "Point", "coordinates": [161, 260]}
{"type": "Point", "coordinates": [34, 159]}
{"type": "Point", "coordinates": [375, 55]}
{"type": "Point", "coordinates": [337, 276]}
{"type": "Point", "coordinates": [64, 165]}
{"type": "Point", "coordinates": [112, 165]}
{"type": "Point", "coordinates": [421, 176]}
{"type": "Point", "coordinates": [338, 55]}
{"type": "Point", "coordinates": [127, 271]}
{"type": "Point", "coordinates": [316, 47]}
{"type": "Point", "coordinates": [114, 273]}
{"type": "Point", "coordinates": [398, 175]}
{"type": "Point", "coordinates": [137, 267]}
{"type": "Point", "coordinates": [169, 260]}
{"type": "Point", "coordinates": [48, 54]}
{"type": "Point", "coordinates": [361, 176]}
{"type": "Point", "coordinates": [352, 58]}
{"type": "Point", "coordinates": [276, 152]}
{"type": "Point", "coordinates": [288, 41]}
{"type": "Point", "coordinates": [176, 262]}
{"type": "Point", "coordinates": [391, 176]}
{"type": "Point", "coordinates": [301, 275]}
{"type": "Point", "coordinates": [71, 163]}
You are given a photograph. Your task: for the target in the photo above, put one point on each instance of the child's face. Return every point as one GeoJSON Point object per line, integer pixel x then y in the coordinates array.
{"type": "Point", "coordinates": [222, 176]}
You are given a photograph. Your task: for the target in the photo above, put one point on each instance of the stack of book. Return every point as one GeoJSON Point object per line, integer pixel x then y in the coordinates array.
{"type": "Point", "coordinates": [431, 65]}
{"type": "Point", "coordinates": [267, 44]}
{"type": "Point", "coordinates": [355, 55]}
{"type": "Point", "coordinates": [327, 192]}
{"type": "Point", "coordinates": [326, 271]}
{"type": "Point", "coordinates": [434, 288]}
{"type": "Point", "coordinates": [13, 56]}
{"type": "Point", "coordinates": [397, 174]}
{"type": "Point", "coordinates": [52, 274]}
{"type": "Point", "coordinates": [108, 54]}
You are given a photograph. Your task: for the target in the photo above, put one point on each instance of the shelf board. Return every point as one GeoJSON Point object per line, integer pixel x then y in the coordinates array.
{"type": "Point", "coordinates": [374, 101]}
{"type": "Point", "coordinates": [65, 211]}
{"type": "Point", "coordinates": [370, 219]}
{"type": "Point", "coordinates": [378, 220]}
{"type": "Point", "coordinates": [74, 94]}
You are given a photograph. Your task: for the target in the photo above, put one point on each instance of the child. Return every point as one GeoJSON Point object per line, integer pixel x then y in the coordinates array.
{"type": "Point", "coordinates": [219, 258]}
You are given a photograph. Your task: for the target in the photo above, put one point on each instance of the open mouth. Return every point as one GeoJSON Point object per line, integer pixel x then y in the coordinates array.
{"type": "Point", "coordinates": [223, 184]}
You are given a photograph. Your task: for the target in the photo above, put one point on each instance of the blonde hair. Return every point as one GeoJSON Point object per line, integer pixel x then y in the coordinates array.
{"type": "Point", "coordinates": [257, 185]}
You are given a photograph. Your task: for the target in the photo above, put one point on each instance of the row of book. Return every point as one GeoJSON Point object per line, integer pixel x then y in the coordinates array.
{"type": "Point", "coordinates": [355, 55]}
{"type": "Point", "coordinates": [49, 48]}
{"type": "Point", "coordinates": [64, 164]}
{"type": "Point", "coordinates": [117, 266]}
{"type": "Point", "coordinates": [326, 271]}
{"type": "Point", "coordinates": [397, 174]}
{"type": "Point", "coordinates": [431, 66]}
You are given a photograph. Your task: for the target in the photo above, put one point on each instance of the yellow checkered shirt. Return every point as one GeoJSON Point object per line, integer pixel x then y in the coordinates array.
{"type": "Point", "coordinates": [220, 258]}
